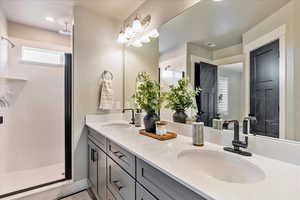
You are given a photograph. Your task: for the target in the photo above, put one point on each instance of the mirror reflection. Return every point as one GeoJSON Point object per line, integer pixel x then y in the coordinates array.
{"type": "Point", "coordinates": [242, 61]}
{"type": "Point", "coordinates": [143, 59]}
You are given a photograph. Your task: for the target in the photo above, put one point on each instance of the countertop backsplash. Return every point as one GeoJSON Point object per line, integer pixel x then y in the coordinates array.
{"type": "Point", "coordinates": [282, 150]}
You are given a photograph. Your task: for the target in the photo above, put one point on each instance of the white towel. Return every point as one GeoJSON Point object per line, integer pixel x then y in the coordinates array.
{"type": "Point", "coordinates": [106, 101]}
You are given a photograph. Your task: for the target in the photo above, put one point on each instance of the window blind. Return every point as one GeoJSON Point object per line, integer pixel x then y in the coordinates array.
{"type": "Point", "coordinates": [223, 95]}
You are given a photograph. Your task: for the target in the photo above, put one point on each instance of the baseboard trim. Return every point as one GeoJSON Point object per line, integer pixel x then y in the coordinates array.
{"type": "Point", "coordinates": [53, 192]}
{"type": "Point", "coordinates": [74, 188]}
{"type": "Point", "coordinates": [60, 198]}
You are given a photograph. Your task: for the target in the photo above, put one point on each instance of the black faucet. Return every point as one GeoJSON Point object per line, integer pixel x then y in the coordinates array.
{"type": "Point", "coordinates": [236, 143]}
{"type": "Point", "coordinates": [132, 115]}
{"type": "Point", "coordinates": [247, 123]}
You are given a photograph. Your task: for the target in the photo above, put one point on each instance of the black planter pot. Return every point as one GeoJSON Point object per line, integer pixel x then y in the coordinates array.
{"type": "Point", "coordinates": [149, 121]}
{"type": "Point", "coordinates": [180, 116]}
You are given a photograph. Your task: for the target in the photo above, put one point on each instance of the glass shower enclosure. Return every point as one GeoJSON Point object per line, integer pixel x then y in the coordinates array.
{"type": "Point", "coordinates": [35, 118]}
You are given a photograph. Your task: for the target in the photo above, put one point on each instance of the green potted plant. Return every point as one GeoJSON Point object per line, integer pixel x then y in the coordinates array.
{"type": "Point", "coordinates": [180, 98]}
{"type": "Point", "coordinates": [148, 98]}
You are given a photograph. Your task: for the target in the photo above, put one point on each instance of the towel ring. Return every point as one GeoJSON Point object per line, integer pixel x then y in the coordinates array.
{"type": "Point", "coordinates": [105, 72]}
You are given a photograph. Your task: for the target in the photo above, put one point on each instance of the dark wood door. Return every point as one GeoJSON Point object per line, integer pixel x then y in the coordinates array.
{"type": "Point", "coordinates": [206, 78]}
{"type": "Point", "coordinates": [264, 89]}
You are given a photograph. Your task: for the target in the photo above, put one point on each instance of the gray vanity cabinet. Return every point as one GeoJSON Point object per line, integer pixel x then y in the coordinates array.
{"type": "Point", "coordinates": [162, 186]}
{"type": "Point", "coordinates": [116, 174]}
{"type": "Point", "coordinates": [97, 170]}
{"type": "Point", "coordinates": [101, 175]}
{"type": "Point", "coordinates": [125, 159]}
{"type": "Point", "coordinates": [119, 182]}
{"type": "Point", "coordinates": [93, 165]}
{"type": "Point", "coordinates": [98, 139]}
{"type": "Point", "coordinates": [109, 196]}
{"type": "Point", "coordinates": [142, 194]}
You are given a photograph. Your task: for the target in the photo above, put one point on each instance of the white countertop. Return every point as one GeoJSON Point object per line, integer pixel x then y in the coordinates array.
{"type": "Point", "coordinates": [282, 180]}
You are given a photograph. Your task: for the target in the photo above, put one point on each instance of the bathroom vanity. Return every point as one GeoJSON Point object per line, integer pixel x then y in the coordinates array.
{"type": "Point", "coordinates": [115, 173]}
{"type": "Point", "coordinates": [126, 165]}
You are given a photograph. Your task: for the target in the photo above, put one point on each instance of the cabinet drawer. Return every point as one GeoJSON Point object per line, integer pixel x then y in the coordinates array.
{"type": "Point", "coordinates": [142, 194]}
{"type": "Point", "coordinates": [125, 159]}
{"type": "Point", "coordinates": [161, 185]}
{"type": "Point", "coordinates": [119, 182]}
{"type": "Point", "coordinates": [109, 195]}
{"type": "Point", "coordinates": [97, 138]}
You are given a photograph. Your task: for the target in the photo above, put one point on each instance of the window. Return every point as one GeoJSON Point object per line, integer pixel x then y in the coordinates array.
{"type": "Point", "coordinates": [223, 95]}
{"type": "Point", "coordinates": [44, 56]}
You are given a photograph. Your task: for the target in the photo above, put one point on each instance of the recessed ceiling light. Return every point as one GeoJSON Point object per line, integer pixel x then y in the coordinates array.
{"type": "Point", "coordinates": [50, 19]}
{"type": "Point", "coordinates": [218, 0]}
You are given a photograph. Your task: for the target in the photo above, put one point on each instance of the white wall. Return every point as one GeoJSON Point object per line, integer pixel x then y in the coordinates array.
{"type": "Point", "coordinates": [3, 85]}
{"type": "Point", "coordinates": [228, 52]}
{"type": "Point", "coordinates": [95, 50]}
{"type": "Point", "coordinates": [283, 16]}
{"type": "Point", "coordinates": [297, 67]}
{"type": "Point", "coordinates": [162, 11]}
{"type": "Point", "coordinates": [235, 92]}
{"type": "Point", "coordinates": [3, 44]}
{"type": "Point", "coordinates": [37, 34]}
{"type": "Point", "coordinates": [143, 59]}
{"type": "Point", "coordinates": [175, 58]}
{"type": "Point", "coordinates": [199, 51]}
{"type": "Point", "coordinates": [196, 51]}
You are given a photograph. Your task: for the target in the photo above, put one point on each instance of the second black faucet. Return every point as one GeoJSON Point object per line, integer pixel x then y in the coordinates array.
{"type": "Point", "coordinates": [236, 143]}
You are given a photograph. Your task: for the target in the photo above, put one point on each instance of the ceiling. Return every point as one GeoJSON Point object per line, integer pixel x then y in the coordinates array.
{"type": "Point", "coordinates": [222, 23]}
{"type": "Point", "coordinates": [118, 9]}
{"type": "Point", "coordinates": [34, 12]}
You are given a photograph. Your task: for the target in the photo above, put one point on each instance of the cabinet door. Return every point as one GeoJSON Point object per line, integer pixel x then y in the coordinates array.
{"type": "Point", "coordinates": [142, 194]}
{"type": "Point", "coordinates": [101, 174]}
{"type": "Point", "coordinates": [93, 167]}
{"type": "Point", "coordinates": [121, 185]}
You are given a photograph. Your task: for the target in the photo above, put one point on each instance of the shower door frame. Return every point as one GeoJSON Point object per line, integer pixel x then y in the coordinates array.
{"type": "Point", "coordinates": [68, 130]}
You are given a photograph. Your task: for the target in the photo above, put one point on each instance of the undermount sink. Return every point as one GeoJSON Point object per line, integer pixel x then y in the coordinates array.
{"type": "Point", "coordinates": [116, 125]}
{"type": "Point", "coordinates": [222, 166]}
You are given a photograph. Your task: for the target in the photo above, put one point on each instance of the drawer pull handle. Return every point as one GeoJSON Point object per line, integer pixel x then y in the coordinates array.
{"type": "Point", "coordinates": [94, 155]}
{"type": "Point", "coordinates": [119, 154]}
{"type": "Point", "coordinates": [117, 185]}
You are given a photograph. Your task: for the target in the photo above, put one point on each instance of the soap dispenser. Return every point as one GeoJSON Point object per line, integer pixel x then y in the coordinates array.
{"type": "Point", "coordinates": [138, 118]}
{"type": "Point", "coordinates": [218, 122]}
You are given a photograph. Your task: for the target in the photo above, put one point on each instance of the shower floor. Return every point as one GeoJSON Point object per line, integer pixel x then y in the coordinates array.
{"type": "Point", "coordinates": [15, 181]}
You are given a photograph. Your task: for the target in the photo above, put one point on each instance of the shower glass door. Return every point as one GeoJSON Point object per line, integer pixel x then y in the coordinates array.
{"type": "Point", "coordinates": [35, 117]}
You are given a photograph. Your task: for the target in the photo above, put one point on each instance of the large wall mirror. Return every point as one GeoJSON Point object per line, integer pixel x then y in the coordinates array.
{"type": "Point", "coordinates": [139, 59]}
{"type": "Point", "coordinates": [240, 53]}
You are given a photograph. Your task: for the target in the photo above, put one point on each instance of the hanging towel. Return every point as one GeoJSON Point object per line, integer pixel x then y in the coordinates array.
{"type": "Point", "coordinates": [106, 101]}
